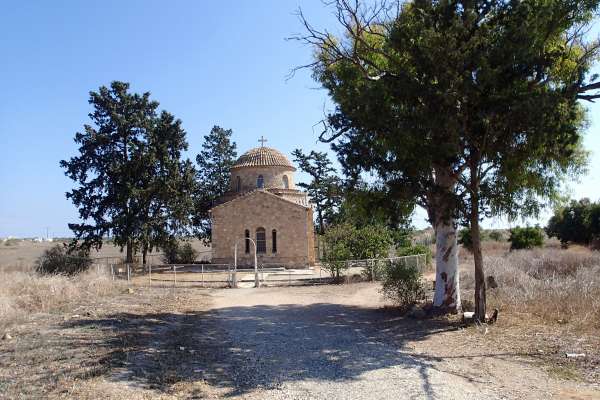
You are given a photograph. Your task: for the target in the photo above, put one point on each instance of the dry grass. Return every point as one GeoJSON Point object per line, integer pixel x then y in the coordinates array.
{"type": "Point", "coordinates": [26, 293]}
{"type": "Point", "coordinates": [558, 286]}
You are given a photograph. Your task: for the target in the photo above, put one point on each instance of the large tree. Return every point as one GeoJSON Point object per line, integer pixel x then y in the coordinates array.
{"type": "Point", "coordinates": [468, 107]}
{"type": "Point", "coordinates": [214, 164]}
{"type": "Point", "coordinates": [131, 182]}
{"type": "Point", "coordinates": [324, 188]}
{"type": "Point", "coordinates": [168, 186]}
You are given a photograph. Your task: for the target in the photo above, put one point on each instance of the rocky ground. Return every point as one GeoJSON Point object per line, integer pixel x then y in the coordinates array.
{"type": "Point", "coordinates": [315, 342]}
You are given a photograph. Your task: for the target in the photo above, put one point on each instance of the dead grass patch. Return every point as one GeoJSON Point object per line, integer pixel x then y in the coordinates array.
{"type": "Point", "coordinates": [558, 286]}
{"type": "Point", "coordinates": [26, 293]}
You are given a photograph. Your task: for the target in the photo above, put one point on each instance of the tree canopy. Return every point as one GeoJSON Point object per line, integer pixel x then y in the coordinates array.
{"type": "Point", "coordinates": [214, 163]}
{"type": "Point", "coordinates": [132, 183]}
{"type": "Point", "coordinates": [325, 187]}
{"type": "Point", "coordinates": [577, 222]}
{"type": "Point", "coordinates": [469, 108]}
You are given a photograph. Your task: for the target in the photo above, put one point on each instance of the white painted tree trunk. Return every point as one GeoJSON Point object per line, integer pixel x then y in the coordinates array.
{"type": "Point", "coordinates": [447, 291]}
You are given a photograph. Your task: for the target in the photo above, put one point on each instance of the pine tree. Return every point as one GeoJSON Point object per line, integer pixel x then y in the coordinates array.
{"type": "Point", "coordinates": [131, 182]}
{"type": "Point", "coordinates": [214, 163]}
{"type": "Point", "coordinates": [325, 187]}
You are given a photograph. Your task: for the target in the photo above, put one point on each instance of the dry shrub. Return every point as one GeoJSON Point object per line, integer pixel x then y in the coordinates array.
{"type": "Point", "coordinates": [556, 285]}
{"type": "Point", "coordinates": [26, 293]}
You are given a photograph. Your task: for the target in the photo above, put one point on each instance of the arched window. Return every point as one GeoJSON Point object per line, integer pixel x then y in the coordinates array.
{"type": "Point", "coordinates": [260, 182]}
{"type": "Point", "coordinates": [238, 184]}
{"type": "Point", "coordinates": [247, 240]}
{"type": "Point", "coordinates": [274, 241]}
{"type": "Point", "coordinates": [286, 182]}
{"type": "Point", "coordinates": [261, 240]}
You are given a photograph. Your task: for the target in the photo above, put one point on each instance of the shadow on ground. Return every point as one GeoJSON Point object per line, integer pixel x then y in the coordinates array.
{"type": "Point", "coordinates": [238, 349]}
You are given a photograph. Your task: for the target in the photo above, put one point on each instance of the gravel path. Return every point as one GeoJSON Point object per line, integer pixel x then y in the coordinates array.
{"type": "Point", "coordinates": [301, 343]}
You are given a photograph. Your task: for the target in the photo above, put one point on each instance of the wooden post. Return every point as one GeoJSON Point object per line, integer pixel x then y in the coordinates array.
{"type": "Point", "coordinates": [150, 274]}
{"type": "Point", "coordinates": [128, 273]}
{"type": "Point", "coordinates": [202, 275]}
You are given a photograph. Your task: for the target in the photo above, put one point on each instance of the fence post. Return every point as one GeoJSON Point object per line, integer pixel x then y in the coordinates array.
{"type": "Point", "coordinates": [174, 276]}
{"type": "Point", "coordinates": [112, 271]}
{"type": "Point", "coordinates": [202, 275]}
{"type": "Point", "coordinates": [128, 273]}
{"type": "Point", "coordinates": [150, 274]}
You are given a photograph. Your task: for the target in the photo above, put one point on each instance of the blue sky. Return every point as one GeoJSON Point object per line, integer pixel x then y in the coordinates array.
{"type": "Point", "coordinates": [222, 63]}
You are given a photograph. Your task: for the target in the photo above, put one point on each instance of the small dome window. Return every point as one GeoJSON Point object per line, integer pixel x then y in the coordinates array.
{"type": "Point", "coordinates": [286, 182]}
{"type": "Point", "coordinates": [260, 182]}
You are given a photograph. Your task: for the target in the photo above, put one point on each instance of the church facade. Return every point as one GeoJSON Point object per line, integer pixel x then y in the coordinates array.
{"type": "Point", "coordinates": [263, 205]}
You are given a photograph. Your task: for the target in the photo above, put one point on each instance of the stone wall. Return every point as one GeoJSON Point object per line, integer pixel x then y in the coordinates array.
{"type": "Point", "coordinates": [293, 223]}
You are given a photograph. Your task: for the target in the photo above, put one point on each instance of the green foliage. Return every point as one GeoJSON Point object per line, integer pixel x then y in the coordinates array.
{"type": "Point", "coordinates": [214, 163]}
{"type": "Point", "coordinates": [337, 248]}
{"type": "Point", "coordinates": [132, 183]}
{"type": "Point", "coordinates": [324, 189]}
{"type": "Point", "coordinates": [58, 260]}
{"type": "Point", "coordinates": [490, 89]}
{"type": "Point", "coordinates": [176, 253]}
{"type": "Point", "coordinates": [344, 242]}
{"type": "Point", "coordinates": [415, 249]}
{"type": "Point", "coordinates": [373, 204]}
{"type": "Point", "coordinates": [370, 241]}
{"type": "Point", "coordinates": [526, 238]}
{"type": "Point", "coordinates": [403, 282]}
{"type": "Point", "coordinates": [578, 222]}
{"type": "Point", "coordinates": [465, 238]}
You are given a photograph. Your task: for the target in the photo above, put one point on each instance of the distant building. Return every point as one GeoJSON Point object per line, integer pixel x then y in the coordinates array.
{"type": "Point", "coordinates": [264, 205]}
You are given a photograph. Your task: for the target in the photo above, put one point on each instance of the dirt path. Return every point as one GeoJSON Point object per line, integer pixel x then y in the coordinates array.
{"type": "Point", "coordinates": [335, 342]}
{"type": "Point", "coordinates": [320, 342]}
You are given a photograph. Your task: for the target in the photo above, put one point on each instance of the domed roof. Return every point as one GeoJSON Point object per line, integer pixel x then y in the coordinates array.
{"type": "Point", "coordinates": [263, 157]}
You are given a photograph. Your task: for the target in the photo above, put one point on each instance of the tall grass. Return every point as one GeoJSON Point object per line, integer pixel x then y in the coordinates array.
{"type": "Point", "coordinates": [26, 293]}
{"type": "Point", "coordinates": [555, 285]}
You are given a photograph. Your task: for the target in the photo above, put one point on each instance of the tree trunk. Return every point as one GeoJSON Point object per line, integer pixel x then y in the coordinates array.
{"type": "Point", "coordinates": [441, 211]}
{"type": "Point", "coordinates": [479, 274]}
{"type": "Point", "coordinates": [320, 218]}
{"type": "Point", "coordinates": [447, 289]}
{"type": "Point", "coordinates": [144, 254]}
{"type": "Point", "coordinates": [477, 255]}
{"type": "Point", "coordinates": [129, 257]}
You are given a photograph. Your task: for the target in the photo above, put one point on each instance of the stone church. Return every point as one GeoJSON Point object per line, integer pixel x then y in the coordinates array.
{"type": "Point", "coordinates": [264, 205]}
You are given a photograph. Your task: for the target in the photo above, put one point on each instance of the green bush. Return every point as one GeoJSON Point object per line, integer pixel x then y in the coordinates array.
{"type": "Point", "coordinates": [370, 241]}
{"type": "Point", "coordinates": [337, 248]}
{"type": "Point", "coordinates": [414, 250]}
{"type": "Point", "coordinates": [174, 253]}
{"type": "Point", "coordinates": [578, 222]}
{"type": "Point", "coordinates": [60, 260]}
{"type": "Point", "coordinates": [344, 242]}
{"type": "Point", "coordinates": [526, 238]}
{"type": "Point", "coordinates": [402, 282]}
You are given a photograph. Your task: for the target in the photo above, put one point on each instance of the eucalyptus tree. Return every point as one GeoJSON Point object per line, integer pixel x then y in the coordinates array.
{"type": "Point", "coordinates": [469, 108]}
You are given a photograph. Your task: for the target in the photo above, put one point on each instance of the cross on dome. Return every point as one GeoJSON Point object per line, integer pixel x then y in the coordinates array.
{"type": "Point", "coordinates": [262, 141]}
